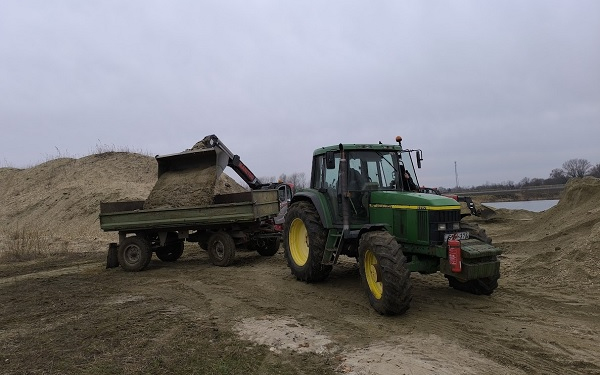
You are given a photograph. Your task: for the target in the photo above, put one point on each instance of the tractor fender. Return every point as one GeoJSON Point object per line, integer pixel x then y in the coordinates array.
{"type": "Point", "coordinates": [319, 202]}
{"type": "Point", "coordinates": [373, 227]}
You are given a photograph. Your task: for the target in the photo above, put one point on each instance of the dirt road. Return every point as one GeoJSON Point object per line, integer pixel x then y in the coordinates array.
{"type": "Point", "coordinates": [182, 317]}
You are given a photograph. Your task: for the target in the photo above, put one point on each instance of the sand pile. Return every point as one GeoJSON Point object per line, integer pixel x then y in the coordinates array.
{"type": "Point", "coordinates": [62, 197]}
{"type": "Point", "coordinates": [187, 188]}
{"type": "Point", "coordinates": [562, 244]}
{"type": "Point", "coordinates": [191, 187]}
{"type": "Point", "coordinates": [578, 207]}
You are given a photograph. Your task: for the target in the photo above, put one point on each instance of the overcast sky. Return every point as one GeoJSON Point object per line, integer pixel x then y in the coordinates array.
{"type": "Point", "coordinates": [506, 89]}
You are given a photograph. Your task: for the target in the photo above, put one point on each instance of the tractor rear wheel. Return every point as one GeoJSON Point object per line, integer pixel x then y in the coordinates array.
{"type": "Point", "coordinates": [221, 249]}
{"type": "Point", "coordinates": [384, 273]}
{"type": "Point", "coordinates": [134, 253]}
{"type": "Point", "coordinates": [304, 243]}
{"type": "Point", "coordinates": [484, 286]}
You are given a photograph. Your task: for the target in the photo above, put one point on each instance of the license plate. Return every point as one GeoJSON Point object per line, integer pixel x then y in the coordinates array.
{"type": "Point", "coordinates": [456, 236]}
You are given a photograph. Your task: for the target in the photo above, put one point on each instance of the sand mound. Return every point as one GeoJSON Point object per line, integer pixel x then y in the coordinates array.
{"type": "Point", "coordinates": [562, 244]}
{"type": "Point", "coordinates": [187, 188]}
{"type": "Point", "coordinates": [191, 187]}
{"type": "Point", "coordinates": [61, 197]}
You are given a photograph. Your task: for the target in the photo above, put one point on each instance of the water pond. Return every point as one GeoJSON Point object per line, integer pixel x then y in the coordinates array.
{"type": "Point", "coordinates": [534, 206]}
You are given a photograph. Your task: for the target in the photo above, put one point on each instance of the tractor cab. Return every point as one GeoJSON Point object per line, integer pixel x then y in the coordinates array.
{"type": "Point", "coordinates": [369, 169]}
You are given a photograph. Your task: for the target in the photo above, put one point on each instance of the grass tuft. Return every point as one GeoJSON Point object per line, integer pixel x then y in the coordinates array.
{"type": "Point", "coordinates": [23, 244]}
{"type": "Point", "coordinates": [103, 148]}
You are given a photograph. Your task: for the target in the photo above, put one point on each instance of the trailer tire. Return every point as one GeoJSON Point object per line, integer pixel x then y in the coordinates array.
{"type": "Point", "coordinates": [304, 243]}
{"type": "Point", "coordinates": [221, 249]}
{"type": "Point", "coordinates": [134, 253]}
{"type": "Point", "coordinates": [484, 286]}
{"type": "Point", "coordinates": [266, 247]}
{"type": "Point", "coordinates": [384, 273]}
{"type": "Point", "coordinates": [170, 252]}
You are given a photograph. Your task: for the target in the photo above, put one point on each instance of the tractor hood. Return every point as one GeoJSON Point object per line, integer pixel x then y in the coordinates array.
{"type": "Point", "coordinates": [387, 198]}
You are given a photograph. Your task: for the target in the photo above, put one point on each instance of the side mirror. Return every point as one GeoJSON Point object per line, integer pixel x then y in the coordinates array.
{"type": "Point", "coordinates": [330, 160]}
{"type": "Point", "coordinates": [419, 158]}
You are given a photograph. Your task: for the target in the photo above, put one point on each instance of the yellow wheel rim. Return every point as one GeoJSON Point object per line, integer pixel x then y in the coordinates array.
{"type": "Point", "coordinates": [298, 241]}
{"type": "Point", "coordinates": [372, 274]}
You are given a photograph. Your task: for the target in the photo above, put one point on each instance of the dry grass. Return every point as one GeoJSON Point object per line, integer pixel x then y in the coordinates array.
{"type": "Point", "coordinates": [103, 148]}
{"type": "Point", "coordinates": [22, 244]}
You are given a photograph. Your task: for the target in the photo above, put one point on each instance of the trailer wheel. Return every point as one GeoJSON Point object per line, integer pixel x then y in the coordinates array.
{"type": "Point", "coordinates": [134, 253]}
{"type": "Point", "coordinates": [304, 243]}
{"type": "Point", "coordinates": [384, 273]}
{"type": "Point", "coordinates": [221, 249]}
{"type": "Point", "coordinates": [484, 286]}
{"type": "Point", "coordinates": [266, 247]}
{"type": "Point", "coordinates": [170, 252]}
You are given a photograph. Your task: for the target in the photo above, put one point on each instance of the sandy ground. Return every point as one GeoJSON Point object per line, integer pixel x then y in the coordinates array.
{"type": "Point", "coordinates": [67, 313]}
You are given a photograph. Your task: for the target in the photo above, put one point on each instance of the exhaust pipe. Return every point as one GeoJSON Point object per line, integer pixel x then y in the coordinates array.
{"type": "Point", "coordinates": [344, 187]}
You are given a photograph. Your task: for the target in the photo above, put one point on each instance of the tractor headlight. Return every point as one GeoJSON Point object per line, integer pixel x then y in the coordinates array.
{"type": "Point", "coordinates": [442, 227]}
{"type": "Point", "coordinates": [456, 226]}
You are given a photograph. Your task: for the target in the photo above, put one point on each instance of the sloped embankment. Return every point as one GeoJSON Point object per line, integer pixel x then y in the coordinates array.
{"type": "Point", "coordinates": [61, 198]}
{"type": "Point", "coordinates": [562, 244]}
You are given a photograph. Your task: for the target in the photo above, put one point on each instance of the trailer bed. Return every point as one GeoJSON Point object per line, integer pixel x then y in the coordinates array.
{"type": "Point", "coordinates": [130, 216]}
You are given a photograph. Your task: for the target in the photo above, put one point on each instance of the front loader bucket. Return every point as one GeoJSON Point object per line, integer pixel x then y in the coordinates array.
{"type": "Point", "coordinates": [487, 213]}
{"type": "Point", "coordinates": [193, 159]}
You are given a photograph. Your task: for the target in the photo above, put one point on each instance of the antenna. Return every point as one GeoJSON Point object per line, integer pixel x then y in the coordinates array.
{"type": "Point", "coordinates": [456, 174]}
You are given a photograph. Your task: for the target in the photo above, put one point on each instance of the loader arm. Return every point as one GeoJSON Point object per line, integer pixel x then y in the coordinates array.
{"type": "Point", "coordinates": [233, 161]}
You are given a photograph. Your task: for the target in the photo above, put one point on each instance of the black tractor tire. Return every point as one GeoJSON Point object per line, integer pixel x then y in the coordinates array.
{"type": "Point", "coordinates": [484, 286]}
{"type": "Point", "coordinates": [221, 249]}
{"type": "Point", "coordinates": [266, 247]}
{"type": "Point", "coordinates": [304, 243]}
{"type": "Point", "coordinates": [476, 232]}
{"type": "Point", "coordinates": [384, 273]}
{"type": "Point", "coordinates": [134, 253]}
{"type": "Point", "coordinates": [170, 252]}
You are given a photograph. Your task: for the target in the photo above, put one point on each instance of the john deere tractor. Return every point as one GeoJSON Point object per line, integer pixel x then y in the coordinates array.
{"type": "Point", "coordinates": [363, 202]}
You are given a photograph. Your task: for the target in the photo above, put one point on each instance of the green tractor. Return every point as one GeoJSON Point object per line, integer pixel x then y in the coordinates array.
{"type": "Point", "coordinates": [363, 203]}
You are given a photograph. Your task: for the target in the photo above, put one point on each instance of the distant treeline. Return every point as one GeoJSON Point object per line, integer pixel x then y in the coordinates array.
{"type": "Point", "coordinates": [574, 168]}
{"type": "Point", "coordinates": [558, 176]}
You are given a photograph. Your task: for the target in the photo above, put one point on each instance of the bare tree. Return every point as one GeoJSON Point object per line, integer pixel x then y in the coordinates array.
{"type": "Point", "coordinates": [558, 173]}
{"type": "Point", "coordinates": [267, 179]}
{"type": "Point", "coordinates": [524, 182]}
{"type": "Point", "coordinates": [298, 179]}
{"type": "Point", "coordinates": [576, 167]}
{"type": "Point", "coordinates": [595, 170]}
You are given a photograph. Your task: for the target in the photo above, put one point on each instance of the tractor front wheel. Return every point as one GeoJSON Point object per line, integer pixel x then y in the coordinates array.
{"type": "Point", "coordinates": [384, 273]}
{"type": "Point", "coordinates": [304, 243]}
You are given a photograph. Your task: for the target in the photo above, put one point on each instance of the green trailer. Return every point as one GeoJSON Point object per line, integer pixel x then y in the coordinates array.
{"type": "Point", "coordinates": [232, 221]}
